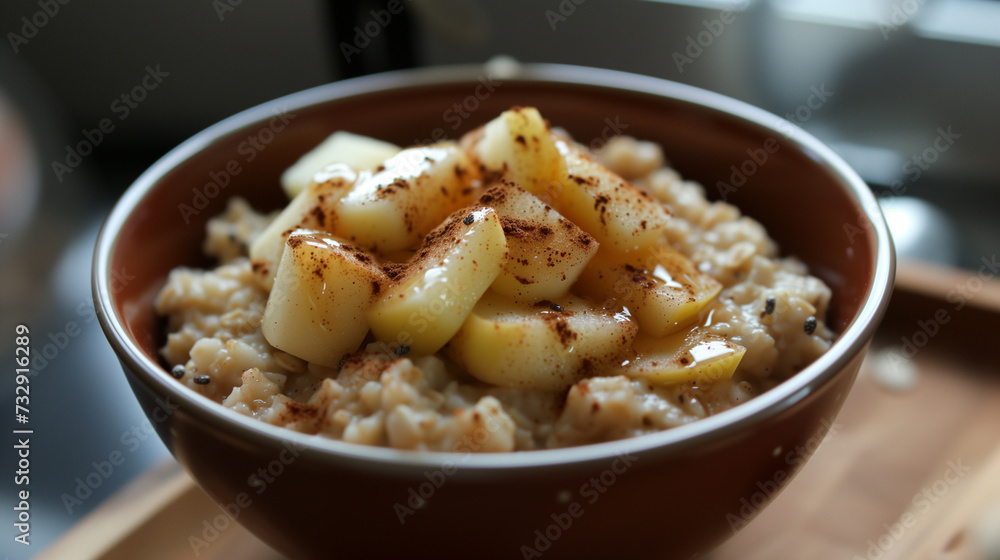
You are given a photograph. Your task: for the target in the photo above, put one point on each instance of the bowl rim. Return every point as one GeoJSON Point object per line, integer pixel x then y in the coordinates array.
{"type": "Point", "coordinates": [703, 432]}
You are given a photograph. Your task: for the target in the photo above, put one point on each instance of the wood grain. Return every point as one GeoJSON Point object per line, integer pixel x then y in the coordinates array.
{"type": "Point", "coordinates": [155, 518]}
{"type": "Point", "coordinates": [888, 461]}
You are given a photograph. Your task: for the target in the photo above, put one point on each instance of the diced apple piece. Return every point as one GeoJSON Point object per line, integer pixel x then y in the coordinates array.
{"type": "Point", "coordinates": [693, 356]}
{"type": "Point", "coordinates": [434, 293]}
{"type": "Point", "coordinates": [358, 152]}
{"type": "Point", "coordinates": [313, 208]}
{"type": "Point", "coordinates": [316, 310]}
{"type": "Point", "coordinates": [546, 252]}
{"type": "Point", "coordinates": [518, 146]}
{"type": "Point", "coordinates": [394, 206]}
{"type": "Point", "coordinates": [544, 346]}
{"type": "Point", "coordinates": [660, 286]}
{"type": "Point", "coordinates": [618, 214]}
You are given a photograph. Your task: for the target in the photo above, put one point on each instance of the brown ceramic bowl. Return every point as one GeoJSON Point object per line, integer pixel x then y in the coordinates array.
{"type": "Point", "coordinates": [667, 495]}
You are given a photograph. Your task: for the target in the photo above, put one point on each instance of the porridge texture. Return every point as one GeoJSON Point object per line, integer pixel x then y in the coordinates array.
{"type": "Point", "coordinates": [756, 319]}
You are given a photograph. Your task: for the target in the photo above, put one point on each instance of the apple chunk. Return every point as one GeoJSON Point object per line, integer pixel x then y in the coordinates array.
{"type": "Point", "coordinates": [546, 251]}
{"type": "Point", "coordinates": [393, 206]}
{"type": "Point", "coordinates": [518, 146]}
{"type": "Point", "coordinates": [313, 208]}
{"type": "Point", "coordinates": [358, 152]}
{"type": "Point", "coordinates": [660, 286]}
{"type": "Point", "coordinates": [619, 215]}
{"type": "Point", "coordinates": [694, 356]}
{"type": "Point", "coordinates": [545, 346]}
{"type": "Point", "coordinates": [316, 309]}
{"type": "Point", "coordinates": [434, 293]}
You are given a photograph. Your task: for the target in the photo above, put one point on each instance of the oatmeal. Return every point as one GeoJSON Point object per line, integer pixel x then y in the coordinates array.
{"type": "Point", "coordinates": [510, 291]}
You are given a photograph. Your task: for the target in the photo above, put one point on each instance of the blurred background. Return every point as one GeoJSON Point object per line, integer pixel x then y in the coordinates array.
{"type": "Point", "coordinates": [92, 93]}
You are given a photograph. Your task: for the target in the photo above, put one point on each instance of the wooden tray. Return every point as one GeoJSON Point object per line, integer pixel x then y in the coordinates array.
{"type": "Point", "coordinates": [902, 475]}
